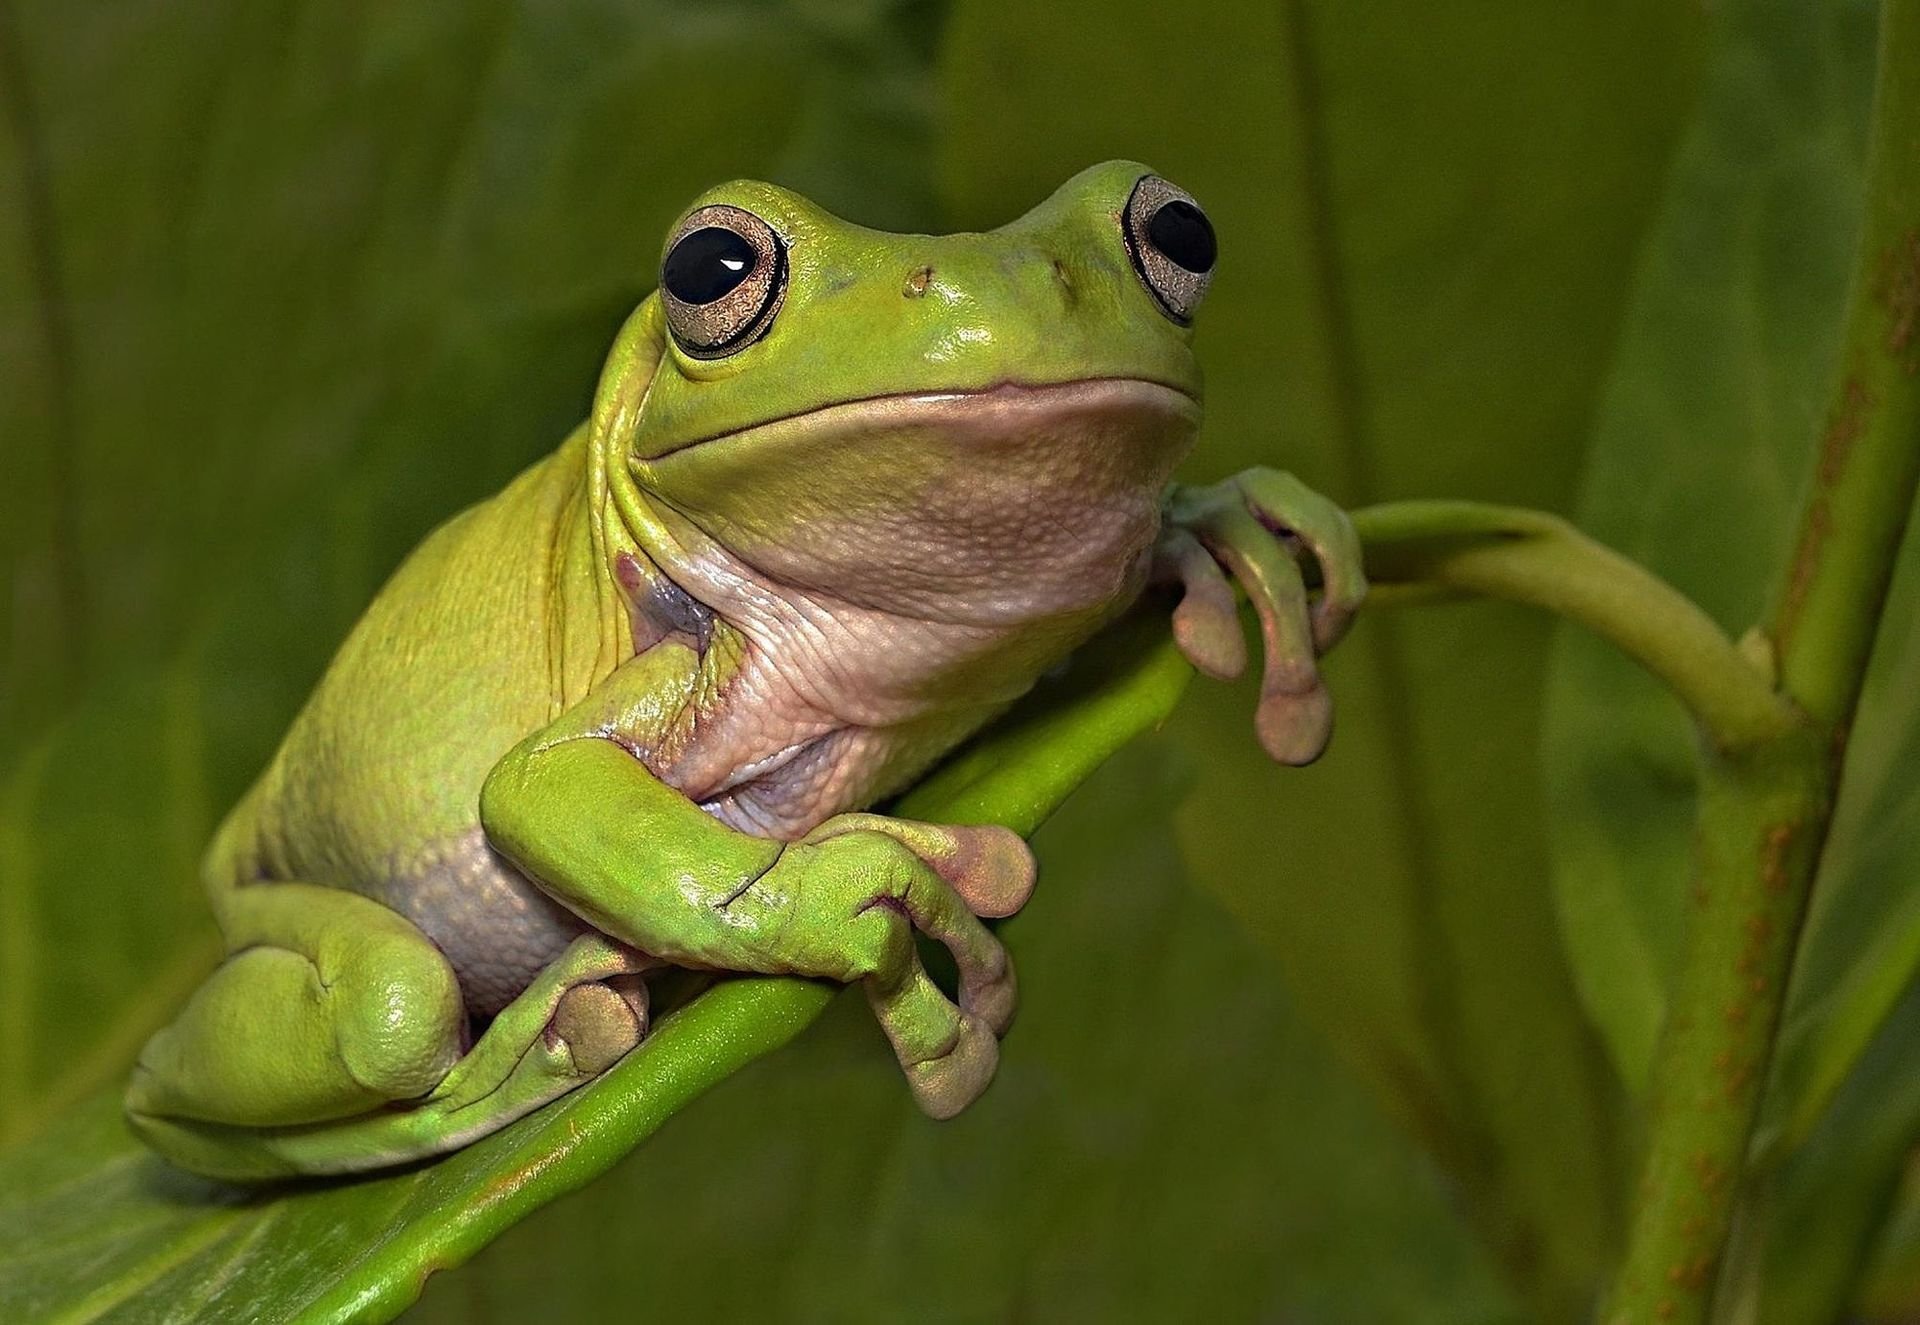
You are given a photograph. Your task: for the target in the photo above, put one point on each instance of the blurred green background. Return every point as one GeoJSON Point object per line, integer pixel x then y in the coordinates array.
{"type": "Point", "coordinates": [282, 286]}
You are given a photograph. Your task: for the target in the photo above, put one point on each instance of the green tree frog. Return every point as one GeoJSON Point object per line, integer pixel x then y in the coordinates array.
{"type": "Point", "coordinates": [842, 498]}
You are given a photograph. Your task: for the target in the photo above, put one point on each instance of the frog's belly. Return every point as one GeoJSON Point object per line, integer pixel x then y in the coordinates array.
{"type": "Point", "coordinates": [496, 928]}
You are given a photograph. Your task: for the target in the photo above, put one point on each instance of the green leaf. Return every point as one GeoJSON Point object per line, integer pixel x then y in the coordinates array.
{"type": "Point", "coordinates": [1888, 1288]}
{"type": "Point", "coordinates": [93, 1225]}
{"type": "Point", "coordinates": [1811, 1221]}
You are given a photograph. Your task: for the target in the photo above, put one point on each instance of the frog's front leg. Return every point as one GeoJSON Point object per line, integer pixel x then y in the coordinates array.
{"type": "Point", "coordinates": [581, 815]}
{"type": "Point", "coordinates": [1255, 524]}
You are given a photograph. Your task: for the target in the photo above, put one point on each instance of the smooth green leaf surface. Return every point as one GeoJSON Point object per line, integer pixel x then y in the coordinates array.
{"type": "Point", "coordinates": [93, 1226]}
{"type": "Point", "coordinates": [1817, 1216]}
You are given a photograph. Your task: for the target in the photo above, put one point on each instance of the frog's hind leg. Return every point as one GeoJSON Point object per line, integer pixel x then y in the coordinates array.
{"type": "Point", "coordinates": [327, 1005]}
{"type": "Point", "coordinates": [580, 1015]}
{"type": "Point", "coordinates": [330, 1010]}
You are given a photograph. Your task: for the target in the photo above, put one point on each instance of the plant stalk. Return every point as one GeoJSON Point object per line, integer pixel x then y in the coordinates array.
{"type": "Point", "coordinates": [1765, 809]}
{"type": "Point", "coordinates": [1530, 557]}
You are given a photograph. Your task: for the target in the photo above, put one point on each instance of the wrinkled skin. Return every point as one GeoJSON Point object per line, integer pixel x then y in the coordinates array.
{"type": "Point", "coordinates": [631, 712]}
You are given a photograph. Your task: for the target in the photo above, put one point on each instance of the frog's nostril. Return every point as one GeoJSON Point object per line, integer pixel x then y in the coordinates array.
{"type": "Point", "coordinates": [1064, 279]}
{"type": "Point", "coordinates": [917, 282]}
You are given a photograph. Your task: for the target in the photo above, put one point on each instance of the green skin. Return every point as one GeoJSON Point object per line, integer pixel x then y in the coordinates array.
{"type": "Point", "coordinates": [627, 713]}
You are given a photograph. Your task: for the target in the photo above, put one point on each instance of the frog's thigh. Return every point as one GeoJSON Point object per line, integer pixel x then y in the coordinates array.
{"type": "Point", "coordinates": [329, 1005]}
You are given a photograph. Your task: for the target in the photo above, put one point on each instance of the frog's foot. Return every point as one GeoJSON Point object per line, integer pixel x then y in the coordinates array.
{"type": "Point", "coordinates": [875, 880]}
{"type": "Point", "coordinates": [577, 1018]}
{"type": "Point", "coordinates": [580, 1016]}
{"type": "Point", "coordinates": [329, 1005]}
{"type": "Point", "coordinates": [987, 868]}
{"type": "Point", "coordinates": [949, 1056]}
{"type": "Point", "coordinates": [1255, 525]}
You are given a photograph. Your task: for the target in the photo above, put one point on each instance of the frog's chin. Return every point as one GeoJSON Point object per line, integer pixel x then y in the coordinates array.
{"type": "Point", "coordinates": [996, 505]}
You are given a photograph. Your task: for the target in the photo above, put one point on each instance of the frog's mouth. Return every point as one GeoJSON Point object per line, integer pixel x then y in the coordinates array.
{"type": "Point", "coordinates": [1006, 395]}
{"type": "Point", "coordinates": [975, 504]}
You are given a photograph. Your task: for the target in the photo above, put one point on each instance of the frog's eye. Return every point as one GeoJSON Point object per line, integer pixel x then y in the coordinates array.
{"type": "Point", "coordinates": [722, 280]}
{"type": "Point", "coordinates": [1171, 243]}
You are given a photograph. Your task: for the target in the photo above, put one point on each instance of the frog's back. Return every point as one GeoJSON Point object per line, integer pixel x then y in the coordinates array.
{"type": "Point", "coordinates": [376, 786]}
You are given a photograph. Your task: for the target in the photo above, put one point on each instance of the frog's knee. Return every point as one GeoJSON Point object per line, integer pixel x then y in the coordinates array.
{"type": "Point", "coordinates": [397, 1013]}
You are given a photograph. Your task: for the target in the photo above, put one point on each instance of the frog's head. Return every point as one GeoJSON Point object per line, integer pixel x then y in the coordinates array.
{"type": "Point", "coordinates": [977, 426]}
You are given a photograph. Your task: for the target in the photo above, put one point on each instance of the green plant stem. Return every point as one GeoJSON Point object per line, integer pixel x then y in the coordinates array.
{"type": "Point", "coordinates": [1538, 559]}
{"type": "Point", "coordinates": [1764, 810]}
{"type": "Point", "coordinates": [1760, 822]}
{"type": "Point", "coordinates": [1829, 604]}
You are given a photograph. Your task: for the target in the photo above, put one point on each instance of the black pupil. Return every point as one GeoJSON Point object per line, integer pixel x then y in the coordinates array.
{"type": "Point", "coordinates": [1182, 232]}
{"type": "Point", "coordinates": [707, 264]}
